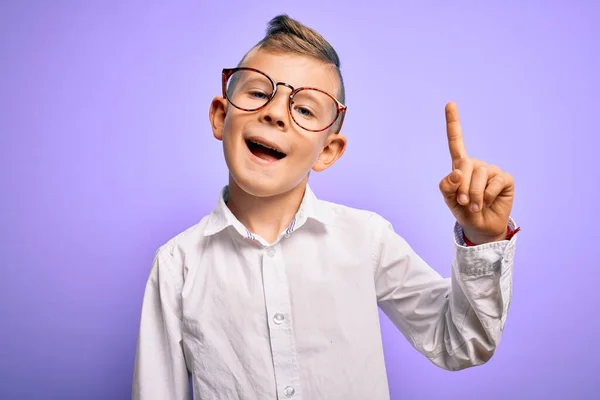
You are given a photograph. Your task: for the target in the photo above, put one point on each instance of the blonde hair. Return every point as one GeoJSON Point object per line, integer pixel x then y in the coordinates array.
{"type": "Point", "coordinates": [287, 35]}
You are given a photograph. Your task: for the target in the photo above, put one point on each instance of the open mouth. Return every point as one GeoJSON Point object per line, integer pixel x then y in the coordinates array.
{"type": "Point", "coordinates": [263, 151]}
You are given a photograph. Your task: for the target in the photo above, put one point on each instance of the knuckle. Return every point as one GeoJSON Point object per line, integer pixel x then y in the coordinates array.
{"type": "Point", "coordinates": [476, 189]}
{"type": "Point", "coordinates": [442, 185]}
{"type": "Point", "coordinates": [499, 179]}
{"type": "Point", "coordinates": [465, 164]}
{"type": "Point", "coordinates": [476, 194]}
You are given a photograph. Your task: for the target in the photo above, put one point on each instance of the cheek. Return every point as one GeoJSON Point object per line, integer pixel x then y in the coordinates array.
{"type": "Point", "coordinates": [232, 128]}
{"type": "Point", "coordinates": [234, 120]}
{"type": "Point", "coordinates": [229, 125]}
{"type": "Point", "coordinates": [230, 141]}
{"type": "Point", "coordinates": [311, 150]}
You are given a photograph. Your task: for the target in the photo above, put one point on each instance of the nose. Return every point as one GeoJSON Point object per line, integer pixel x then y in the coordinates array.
{"type": "Point", "coordinates": [276, 112]}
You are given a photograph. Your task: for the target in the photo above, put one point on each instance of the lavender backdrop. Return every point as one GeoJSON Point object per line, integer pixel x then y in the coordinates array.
{"type": "Point", "coordinates": [106, 153]}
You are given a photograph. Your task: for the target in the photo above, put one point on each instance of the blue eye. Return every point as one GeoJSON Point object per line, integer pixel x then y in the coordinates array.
{"type": "Point", "coordinates": [258, 95]}
{"type": "Point", "coordinates": [305, 112]}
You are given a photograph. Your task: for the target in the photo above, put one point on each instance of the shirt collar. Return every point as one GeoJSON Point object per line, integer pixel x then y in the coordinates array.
{"type": "Point", "coordinates": [310, 208]}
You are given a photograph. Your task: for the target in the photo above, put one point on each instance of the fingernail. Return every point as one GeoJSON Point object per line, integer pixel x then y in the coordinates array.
{"type": "Point", "coordinates": [474, 207]}
{"type": "Point", "coordinates": [463, 199]}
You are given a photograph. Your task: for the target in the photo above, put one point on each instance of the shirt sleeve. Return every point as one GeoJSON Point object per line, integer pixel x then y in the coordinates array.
{"type": "Point", "coordinates": [456, 322]}
{"type": "Point", "coordinates": [160, 370]}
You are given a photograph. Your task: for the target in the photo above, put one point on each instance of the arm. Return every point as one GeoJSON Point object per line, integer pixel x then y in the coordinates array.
{"type": "Point", "coordinates": [455, 322]}
{"type": "Point", "coordinates": [160, 370]}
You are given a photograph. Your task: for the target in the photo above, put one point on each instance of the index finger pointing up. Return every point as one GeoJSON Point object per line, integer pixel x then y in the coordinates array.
{"type": "Point", "coordinates": [455, 137]}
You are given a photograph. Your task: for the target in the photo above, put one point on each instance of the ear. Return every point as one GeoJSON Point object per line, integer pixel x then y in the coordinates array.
{"type": "Point", "coordinates": [216, 114]}
{"type": "Point", "coordinates": [333, 150]}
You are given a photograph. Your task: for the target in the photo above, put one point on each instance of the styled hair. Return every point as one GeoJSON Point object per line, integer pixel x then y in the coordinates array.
{"type": "Point", "coordinates": [286, 35]}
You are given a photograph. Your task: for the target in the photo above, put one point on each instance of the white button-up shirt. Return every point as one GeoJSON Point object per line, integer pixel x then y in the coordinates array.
{"type": "Point", "coordinates": [298, 318]}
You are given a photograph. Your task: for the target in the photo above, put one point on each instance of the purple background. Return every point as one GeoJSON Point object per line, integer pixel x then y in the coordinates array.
{"type": "Point", "coordinates": [106, 153]}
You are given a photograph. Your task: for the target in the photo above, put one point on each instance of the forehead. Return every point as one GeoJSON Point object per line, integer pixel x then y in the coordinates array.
{"type": "Point", "coordinates": [295, 70]}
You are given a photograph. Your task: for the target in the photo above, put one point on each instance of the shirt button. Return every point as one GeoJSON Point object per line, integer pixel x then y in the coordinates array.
{"type": "Point", "coordinates": [271, 252]}
{"type": "Point", "coordinates": [278, 318]}
{"type": "Point", "coordinates": [289, 391]}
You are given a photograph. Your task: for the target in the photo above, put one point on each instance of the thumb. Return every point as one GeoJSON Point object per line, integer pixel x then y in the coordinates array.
{"type": "Point", "coordinates": [449, 186]}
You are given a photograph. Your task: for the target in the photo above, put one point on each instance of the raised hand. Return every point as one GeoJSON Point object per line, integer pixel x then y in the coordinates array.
{"type": "Point", "coordinates": [479, 195]}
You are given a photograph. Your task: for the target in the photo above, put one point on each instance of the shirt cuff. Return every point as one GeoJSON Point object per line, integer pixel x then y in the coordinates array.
{"type": "Point", "coordinates": [459, 236]}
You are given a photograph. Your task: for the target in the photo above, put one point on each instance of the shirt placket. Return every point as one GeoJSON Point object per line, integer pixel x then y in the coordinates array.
{"type": "Point", "coordinates": [283, 346]}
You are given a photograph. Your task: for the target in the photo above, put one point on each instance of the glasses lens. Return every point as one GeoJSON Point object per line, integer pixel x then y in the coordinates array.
{"type": "Point", "coordinates": [313, 110]}
{"type": "Point", "coordinates": [248, 90]}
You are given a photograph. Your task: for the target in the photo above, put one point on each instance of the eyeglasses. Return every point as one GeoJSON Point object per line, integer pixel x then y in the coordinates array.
{"type": "Point", "coordinates": [313, 109]}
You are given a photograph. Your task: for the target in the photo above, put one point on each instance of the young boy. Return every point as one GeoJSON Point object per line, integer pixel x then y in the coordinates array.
{"type": "Point", "coordinates": [275, 294]}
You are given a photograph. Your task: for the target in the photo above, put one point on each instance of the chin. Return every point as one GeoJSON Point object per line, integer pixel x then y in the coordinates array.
{"type": "Point", "coordinates": [259, 182]}
{"type": "Point", "coordinates": [259, 185]}
{"type": "Point", "coordinates": [261, 173]}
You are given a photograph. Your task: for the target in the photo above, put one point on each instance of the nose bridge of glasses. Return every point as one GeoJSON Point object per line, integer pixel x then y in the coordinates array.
{"type": "Point", "coordinates": [284, 96]}
{"type": "Point", "coordinates": [287, 85]}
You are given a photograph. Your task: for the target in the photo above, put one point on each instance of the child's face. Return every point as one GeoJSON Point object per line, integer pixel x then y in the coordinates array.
{"type": "Point", "coordinates": [254, 168]}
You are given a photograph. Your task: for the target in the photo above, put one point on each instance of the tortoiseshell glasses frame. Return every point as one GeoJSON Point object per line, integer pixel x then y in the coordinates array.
{"type": "Point", "coordinates": [340, 108]}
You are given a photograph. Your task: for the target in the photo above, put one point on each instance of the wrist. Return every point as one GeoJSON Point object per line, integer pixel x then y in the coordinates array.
{"type": "Point", "coordinates": [474, 239]}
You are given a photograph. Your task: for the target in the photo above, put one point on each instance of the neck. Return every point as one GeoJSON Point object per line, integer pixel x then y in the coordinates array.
{"type": "Point", "coordinates": [265, 216]}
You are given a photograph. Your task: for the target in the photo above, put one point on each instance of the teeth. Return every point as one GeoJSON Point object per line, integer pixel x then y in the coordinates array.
{"type": "Point", "coordinates": [264, 145]}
